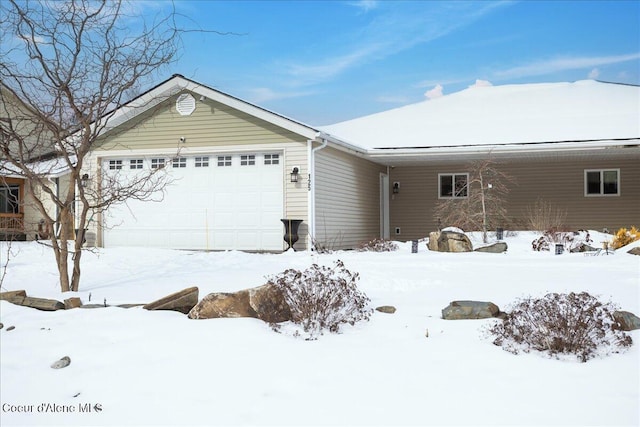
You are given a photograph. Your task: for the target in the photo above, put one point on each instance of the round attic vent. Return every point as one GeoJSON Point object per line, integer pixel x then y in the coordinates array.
{"type": "Point", "coordinates": [185, 104]}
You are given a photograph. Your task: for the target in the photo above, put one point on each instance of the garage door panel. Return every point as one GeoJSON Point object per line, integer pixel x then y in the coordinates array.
{"type": "Point", "coordinates": [214, 207]}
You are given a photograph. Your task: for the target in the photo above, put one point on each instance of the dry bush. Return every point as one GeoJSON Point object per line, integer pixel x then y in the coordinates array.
{"type": "Point", "coordinates": [623, 237]}
{"type": "Point", "coordinates": [571, 324]}
{"type": "Point", "coordinates": [542, 216]}
{"type": "Point", "coordinates": [570, 239]}
{"type": "Point", "coordinates": [323, 298]}
{"type": "Point", "coordinates": [378, 245]}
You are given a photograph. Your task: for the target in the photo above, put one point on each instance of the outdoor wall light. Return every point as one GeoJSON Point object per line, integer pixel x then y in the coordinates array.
{"type": "Point", "coordinates": [84, 180]}
{"type": "Point", "coordinates": [295, 174]}
{"type": "Point", "coordinates": [396, 187]}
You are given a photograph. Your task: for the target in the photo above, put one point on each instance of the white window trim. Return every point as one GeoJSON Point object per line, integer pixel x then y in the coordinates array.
{"type": "Point", "coordinates": [601, 194]}
{"type": "Point", "coordinates": [452, 174]}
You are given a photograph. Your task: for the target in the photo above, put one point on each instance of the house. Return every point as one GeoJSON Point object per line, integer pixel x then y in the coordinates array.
{"type": "Point", "coordinates": [236, 169]}
{"type": "Point", "coordinates": [25, 138]}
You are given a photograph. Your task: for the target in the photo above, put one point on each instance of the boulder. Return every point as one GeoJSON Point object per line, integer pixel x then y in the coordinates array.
{"type": "Point", "coordinates": [389, 309]}
{"type": "Point", "coordinates": [634, 251]}
{"type": "Point", "coordinates": [38, 303]}
{"type": "Point", "coordinates": [73, 302]}
{"type": "Point", "coordinates": [496, 248]}
{"type": "Point", "coordinates": [9, 295]}
{"type": "Point", "coordinates": [62, 363]}
{"type": "Point", "coordinates": [221, 304]}
{"type": "Point", "coordinates": [458, 310]}
{"type": "Point", "coordinates": [1, 325]}
{"type": "Point", "coordinates": [627, 321]}
{"type": "Point", "coordinates": [449, 241]}
{"type": "Point", "coordinates": [269, 304]}
{"type": "Point", "coordinates": [182, 301]}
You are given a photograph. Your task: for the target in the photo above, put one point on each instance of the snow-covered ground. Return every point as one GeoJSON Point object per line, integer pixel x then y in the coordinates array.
{"type": "Point", "coordinates": [161, 368]}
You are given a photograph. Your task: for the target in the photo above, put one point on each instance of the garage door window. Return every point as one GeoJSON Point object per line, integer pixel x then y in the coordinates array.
{"type": "Point", "coordinates": [135, 164]}
{"type": "Point", "coordinates": [247, 160]}
{"type": "Point", "coordinates": [224, 160]}
{"type": "Point", "coordinates": [202, 162]}
{"type": "Point", "coordinates": [157, 163]}
{"type": "Point", "coordinates": [271, 159]}
{"type": "Point", "coordinates": [115, 164]}
{"type": "Point", "coordinates": [179, 162]}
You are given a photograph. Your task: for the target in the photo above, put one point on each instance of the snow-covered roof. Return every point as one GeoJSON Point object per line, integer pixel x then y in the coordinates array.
{"type": "Point", "coordinates": [586, 110]}
{"type": "Point", "coordinates": [51, 168]}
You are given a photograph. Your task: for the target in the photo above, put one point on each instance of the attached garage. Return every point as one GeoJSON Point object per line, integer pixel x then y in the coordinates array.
{"type": "Point", "coordinates": [214, 201]}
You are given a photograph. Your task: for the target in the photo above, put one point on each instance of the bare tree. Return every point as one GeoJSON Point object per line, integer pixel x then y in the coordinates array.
{"type": "Point", "coordinates": [479, 202]}
{"type": "Point", "coordinates": [66, 68]}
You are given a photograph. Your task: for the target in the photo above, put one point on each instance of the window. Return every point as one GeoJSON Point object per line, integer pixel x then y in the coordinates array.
{"type": "Point", "coordinates": [453, 185]}
{"type": "Point", "coordinates": [157, 163]}
{"type": "Point", "coordinates": [247, 160]}
{"type": "Point", "coordinates": [10, 199]}
{"type": "Point", "coordinates": [202, 162]}
{"type": "Point", "coordinates": [115, 164]}
{"type": "Point", "coordinates": [602, 182]}
{"type": "Point", "coordinates": [271, 159]}
{"type": "Point", "coordinates": [224, 160]}
{"type": "Point", "coordinates": [179, 162]}
{"type": "Point", "coordinates": [135, 164]}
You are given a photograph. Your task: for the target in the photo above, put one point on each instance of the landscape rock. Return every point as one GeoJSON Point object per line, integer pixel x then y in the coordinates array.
{"type": "Point", "coordinates": [449, 241]}
{"type": "Point", "coordinates": [459, 310]}
{"type": "Point", "coordinates": [12, 294]}
{"type": "Point", "coordinates": [583, 247]}
{"type": "Point", "coordinates": [182, 301]}
{"type": "Point", "coordinates": [634, 251]}
{"type": "Point", "coordinates": [269, 304]}
{"type": "Point", "coordinates": [1, 325]}
{"type": "Point", "coordinates": [389, 309]}
{"type": "Point", "coordinates": [627, 320]}
{"type": "Point", "coordinates": [62, 363]}
{"type": "Point", "coordinates": [38, 303]}
{"type": "Point", "coordinates": [11, 328]}
{"type": "Point", "coordinates": [129, 305]}
{"type": "Point", "coordinates": [73, 302]}
{"type": "Point", "coordinates": [496, 248]}
{"type": "Point", "coordinates": [220, 304]}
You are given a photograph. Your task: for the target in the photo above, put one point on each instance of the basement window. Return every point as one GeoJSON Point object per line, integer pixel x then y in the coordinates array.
{"type": "Point", "coordinates": [453, 185]}
{"type": "Point", "coordinates": [602, 182]}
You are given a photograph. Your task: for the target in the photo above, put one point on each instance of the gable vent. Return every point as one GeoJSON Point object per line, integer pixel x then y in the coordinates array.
{"type": "Point", "coordinates": [185, 104]}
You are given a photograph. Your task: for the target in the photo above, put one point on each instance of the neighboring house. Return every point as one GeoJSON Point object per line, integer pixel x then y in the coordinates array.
{"type": "Point", "coordinates": [237, 169]}
{"type": "Point", "coordinates": [19, 217]}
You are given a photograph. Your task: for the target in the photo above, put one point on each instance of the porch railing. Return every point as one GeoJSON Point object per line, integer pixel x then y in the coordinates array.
{"type": "Point", "coordinates": [11, 222]}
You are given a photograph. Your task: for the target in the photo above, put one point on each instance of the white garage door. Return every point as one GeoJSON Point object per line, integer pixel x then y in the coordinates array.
{"type": "Point", "coordinates": [226, 201]}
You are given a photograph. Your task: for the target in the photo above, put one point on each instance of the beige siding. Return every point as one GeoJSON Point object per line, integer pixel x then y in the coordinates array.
{"type": "Point", "coordinates": [212, 128]}
{"type": "Point", "coordinates": [211, 124]}
{"type": "Point", "coordinates": [558, 181]}
{"type": "Point", "coordinates": [347, 199]}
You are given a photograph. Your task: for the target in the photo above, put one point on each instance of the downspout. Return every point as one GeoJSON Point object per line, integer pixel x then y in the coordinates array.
{"type": "Point", "coordinates": [312, 186]}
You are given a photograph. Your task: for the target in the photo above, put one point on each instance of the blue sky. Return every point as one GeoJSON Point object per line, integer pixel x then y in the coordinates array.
{"type": "Point", "coordinates": [322, 62]}
{"type": "Point", "coordinates": [328, 61]}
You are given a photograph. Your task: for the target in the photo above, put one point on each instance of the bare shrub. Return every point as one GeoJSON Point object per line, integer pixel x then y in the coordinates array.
{"type": "Point", "coordinates": [571, 324]}
{"type": "Point", "coordinates": [570, 239]}
{"type": "Point", "coordinates": [322, 298]}
{"type": "Point", "coordinates": [543, 215]}
{"type": "Point", "coordinates": [378, 245]}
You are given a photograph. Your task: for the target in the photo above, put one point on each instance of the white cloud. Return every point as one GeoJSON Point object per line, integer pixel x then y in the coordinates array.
{"type": "Point", "coordinates": [562, 64]}
{"type": "Point", "coordinates": [481, 83]}
{"type": "Point", "coordinates": [364, 5]}
{"type": "Point", "coordinates": [594, 74]}
{"type": "Point", "coordinates": [436, 92]}
{"type": "Point", "coordinates": [389, 32]}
